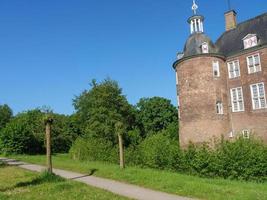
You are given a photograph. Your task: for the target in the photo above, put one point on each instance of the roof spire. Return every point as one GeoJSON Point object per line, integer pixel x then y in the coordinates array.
{"type": "Point", "coordinates": [194, 7]}
{"type": "Point", "coordinates": [229, 4]}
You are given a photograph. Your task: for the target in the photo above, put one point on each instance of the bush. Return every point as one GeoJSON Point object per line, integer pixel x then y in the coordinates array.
{"type": "Point", "coordinates": [158, 151]}
{"type": "Point", "coordinates": [243, 159]}
{"type": "Point", "coordinates": [92, 149]}
{"type": "Point", "coordinates": [19, 136]}
{"type": "Point", "coordinates": [25, 134]}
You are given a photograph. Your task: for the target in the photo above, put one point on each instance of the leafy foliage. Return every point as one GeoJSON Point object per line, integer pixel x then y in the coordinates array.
{"type": "Point", "coordinates": [5, 115]}
{"type": "Point", "coordinates": [101, 107]}
{"type": "Point", "coordinates": [94, 149]}
{"type": "Point", "coordinates": [242, 159]}
{"type": "Point", "coordinates": [156, 114]}
{"type": "Point", "coordinates": [25, 133]}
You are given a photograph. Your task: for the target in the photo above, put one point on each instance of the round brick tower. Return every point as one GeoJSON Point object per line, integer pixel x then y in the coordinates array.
{"type": "Point", "coordinates": [201, 87]}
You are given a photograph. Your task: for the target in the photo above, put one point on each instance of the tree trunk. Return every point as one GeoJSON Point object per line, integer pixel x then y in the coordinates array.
{"type": "Point", "coordinates": [122, 164]}
{"type": "Point", "coordinates": [48, 147]}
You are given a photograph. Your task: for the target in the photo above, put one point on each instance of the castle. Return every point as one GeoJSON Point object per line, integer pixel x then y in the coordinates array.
{"type": "Point", "coordinates": [222, 86]}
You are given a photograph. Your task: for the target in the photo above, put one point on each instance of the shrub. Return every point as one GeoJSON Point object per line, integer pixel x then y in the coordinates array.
{"type": "Point", "coordinates": [158, 151]}
{"type": "Point", "coordinates": [20, 137]}
{"type": "Point", "coordinates": [92, 149]}
{"type": "Point", "coordinates": [25, 134]}
{"type": "Point", "coordinates": [244, 159]}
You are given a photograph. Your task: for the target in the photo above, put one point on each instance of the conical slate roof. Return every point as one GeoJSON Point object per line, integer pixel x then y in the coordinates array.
{"type": "Point", "coordinates": [194, 42]}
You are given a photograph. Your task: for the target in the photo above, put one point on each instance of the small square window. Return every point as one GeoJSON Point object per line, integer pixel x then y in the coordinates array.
{"type": "Point", "coordinates": [246, 134]}
{"type": "Point", "coordinates": [231, 134]}
{"type": "Point", "coordinates": [205, 47]}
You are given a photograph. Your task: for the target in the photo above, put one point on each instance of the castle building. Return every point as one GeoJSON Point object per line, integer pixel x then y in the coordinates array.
{"type": "Point", "coordinates": [222, 86]}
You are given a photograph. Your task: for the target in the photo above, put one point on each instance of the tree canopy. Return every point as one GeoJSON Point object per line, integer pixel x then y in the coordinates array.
{"type": "Point", "coordinates": [101, 107]}
{"type": "Point", "coordinates": [5, 115]}
{"type": "Point", "coordinates": [25, 133]}
{"type": "Point", "coordinates": [156, 114]}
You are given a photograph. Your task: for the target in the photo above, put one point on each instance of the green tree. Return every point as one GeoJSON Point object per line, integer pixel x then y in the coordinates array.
{"type": "Point", "coordinates": [25, 133]}
{"type": "Point", "coordinates": [5, 115]}
{"type": "Point", "coordinates": [100, 107]}
{"type": "Point", "coordinates": [156, 114]}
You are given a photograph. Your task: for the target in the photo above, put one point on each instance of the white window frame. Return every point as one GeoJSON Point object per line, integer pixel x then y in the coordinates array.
{"type": "Point", "coordinates": [219, 108]}
{"type": "Point", "coordinates": [216, 67]}
{"type": "Point", "coordinates": [246, 134]}
{"type": "Point", "coordinates": [235, 69]}
{"type": "Point", "coordinates": [231, 134]}
{"type": "Point", "coordinates": [248, 38]}
{"type": "Point", "coordinates": [176, 77]}
{"type": "Point", "coordinates": [238, 100]}
{"type": "Point", "coordinates": [207, 47]}
{"type": "Point", "coordinates": [254, 66]}
{"type": "Point", "coordinates": [259, 97]}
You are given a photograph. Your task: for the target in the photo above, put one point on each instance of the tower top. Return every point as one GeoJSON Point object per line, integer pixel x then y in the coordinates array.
{"type": "Point", "coordinates": [194, 7]}
{"type": "Point", "coordinates": [196, 21]}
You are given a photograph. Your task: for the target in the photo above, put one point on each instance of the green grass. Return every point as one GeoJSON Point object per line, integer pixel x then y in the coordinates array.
{"type": "Point", "coordinates": [16, 183]}
{"type": "Point", "coordinates": [185, 185]}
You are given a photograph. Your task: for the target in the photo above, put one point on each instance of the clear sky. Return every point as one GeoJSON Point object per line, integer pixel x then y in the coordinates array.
{"type": "Point", "coordinates": [51, 49]}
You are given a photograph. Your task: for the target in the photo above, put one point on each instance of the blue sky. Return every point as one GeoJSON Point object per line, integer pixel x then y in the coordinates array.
{"type": "Point", "coordinates": [50, 50]}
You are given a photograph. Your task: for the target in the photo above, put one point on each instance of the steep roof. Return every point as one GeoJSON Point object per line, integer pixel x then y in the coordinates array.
{"type": "Point", "coordinates": [194, 42]}
{"type": "Point", "coordinates": [231, 41]}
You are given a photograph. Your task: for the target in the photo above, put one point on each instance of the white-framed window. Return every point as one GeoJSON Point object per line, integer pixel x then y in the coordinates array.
{"type": "Point", "coordinates": [254, 63]}
{"type": "Point", "coordinates": [237, 99]}
{"type": "Point", "coordinates": [205, 47]}
{"type": "Point", "coordinates": [233, 69]}
{"type": "Point", "coordinates": [216, 68]}
{"type": "Point", "coordinates": [231, 134]}
{"type": "Point", "coordinates": [176, 77]}
{"type": "Point", "coordinates": [246, 134]}
{"type": "Point", "coordinates": [250, 40]}
{"type": "Point", "coordinates": [258, 96]}
{"type": "Point", "coordinates": [219, 108]}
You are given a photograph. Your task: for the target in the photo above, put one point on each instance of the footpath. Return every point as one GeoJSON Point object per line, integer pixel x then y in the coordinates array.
{"type": "Point", "coordinates": [116, 187]}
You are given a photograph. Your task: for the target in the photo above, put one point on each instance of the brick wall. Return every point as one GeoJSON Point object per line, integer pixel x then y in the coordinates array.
{"type": "Point", "coordinates": [199, 92]}
{"type": "Point", "coordinates": [253, 120]}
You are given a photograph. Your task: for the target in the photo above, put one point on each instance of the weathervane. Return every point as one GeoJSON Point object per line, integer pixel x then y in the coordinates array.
{"type": "Point", "coordinates": [194, 7]}
{"type": "Point", "coordinates": [229, 4]}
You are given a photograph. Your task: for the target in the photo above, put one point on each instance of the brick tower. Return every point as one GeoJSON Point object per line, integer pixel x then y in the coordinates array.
{"type": "Point", "coordinates": [221, 86]}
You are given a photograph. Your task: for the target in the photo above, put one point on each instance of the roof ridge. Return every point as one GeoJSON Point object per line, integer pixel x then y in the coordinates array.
{"type": "Point", "coordinates": [241, 23]}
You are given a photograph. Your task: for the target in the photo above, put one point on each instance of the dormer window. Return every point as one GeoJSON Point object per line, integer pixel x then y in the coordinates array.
{"type": "Point", "coordinates": [250, 40]}
{"type": "Point", "coordinates": [205, 47]}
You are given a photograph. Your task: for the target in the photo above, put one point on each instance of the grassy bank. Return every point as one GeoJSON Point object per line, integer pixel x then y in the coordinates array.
{"type": "Point", "coordinates": [191, 186]}
{"type": "Point", "coordinates": [20, 184]}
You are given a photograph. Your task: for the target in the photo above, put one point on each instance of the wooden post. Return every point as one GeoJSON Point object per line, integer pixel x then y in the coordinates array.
{"type": "Point", "coordinates": [48, 124]}
{"type": "Point", "coordinates": [122, 163]}
{"type": "Point", "coordinates": [119, 127]}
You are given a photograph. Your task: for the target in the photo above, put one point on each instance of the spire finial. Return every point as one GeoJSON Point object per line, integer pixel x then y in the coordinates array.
{"type": "Point", "coordinates": [229, 4]}
{"type": "Point", "coordinates": [194, 7]}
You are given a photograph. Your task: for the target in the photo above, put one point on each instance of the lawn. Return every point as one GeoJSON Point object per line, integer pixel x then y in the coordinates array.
{"type": "Point", "coordinates": [16, 183]}
{"type": "Point", "coordinates": [185, 185]}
